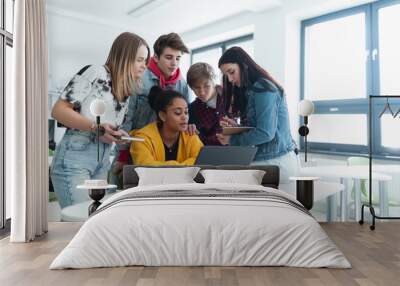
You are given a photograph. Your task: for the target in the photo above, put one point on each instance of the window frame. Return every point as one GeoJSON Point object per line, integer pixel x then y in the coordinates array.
{"type": "Point", "coordinates": [222, 45]}
{"type": "Point", "coordinates": [357, 105]}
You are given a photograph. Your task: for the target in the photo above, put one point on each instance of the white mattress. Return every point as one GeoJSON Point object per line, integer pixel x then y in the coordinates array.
{"type": "Point", "coordinates": [200, 231]}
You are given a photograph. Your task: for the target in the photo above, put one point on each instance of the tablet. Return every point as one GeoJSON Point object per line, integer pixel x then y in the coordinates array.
{"type": "Point", "coordinates": [235, 130]}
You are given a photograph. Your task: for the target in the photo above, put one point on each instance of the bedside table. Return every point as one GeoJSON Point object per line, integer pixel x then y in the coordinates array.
{"type": "Point", "coordinates": [96, 193]}
{"type": "Point", "coordinates": [305, 190]}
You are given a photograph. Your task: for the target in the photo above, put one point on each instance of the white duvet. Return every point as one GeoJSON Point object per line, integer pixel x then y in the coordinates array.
{"type": "Point", "coordinates": [200, 231]}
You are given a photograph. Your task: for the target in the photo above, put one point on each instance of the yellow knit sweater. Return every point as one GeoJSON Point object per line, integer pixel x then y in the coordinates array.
{"type": "Point", "coordinates": [152, 152]}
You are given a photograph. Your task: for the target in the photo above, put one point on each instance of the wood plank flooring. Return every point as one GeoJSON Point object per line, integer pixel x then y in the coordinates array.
{"type": "Point", "coordinates": [375, 257]}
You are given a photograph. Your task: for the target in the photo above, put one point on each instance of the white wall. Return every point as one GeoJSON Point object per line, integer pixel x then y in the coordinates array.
{"type": "Point", "coordinates": [74, 43]}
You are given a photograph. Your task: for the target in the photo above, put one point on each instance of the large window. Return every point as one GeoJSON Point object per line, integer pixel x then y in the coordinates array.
{"type": "Point", "coordinates": [346, 56]}
{"type": "Point", "coordinates": [211, 54]}
{"type": "Point", "coordinates": [6, 43]}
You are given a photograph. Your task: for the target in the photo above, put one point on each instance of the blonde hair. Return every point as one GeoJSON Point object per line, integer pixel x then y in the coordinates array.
{"type": "Point", "coordinates": [120, 60]}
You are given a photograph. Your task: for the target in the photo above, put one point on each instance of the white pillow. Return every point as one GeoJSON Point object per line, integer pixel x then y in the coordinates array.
{"type": "Point", "coordinates": [165, 176]}
{"type": "Point", "coordinates": [248, 177]}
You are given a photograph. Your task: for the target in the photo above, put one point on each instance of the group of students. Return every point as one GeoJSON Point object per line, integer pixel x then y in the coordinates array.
{"type": "Point", "coordinates": [148, 97]}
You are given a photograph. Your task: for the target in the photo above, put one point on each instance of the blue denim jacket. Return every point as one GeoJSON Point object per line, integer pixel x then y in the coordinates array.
{"type": "Point", "coordinates": [139, 111]}
{"type": "Point", "coordinates": [266, 111]}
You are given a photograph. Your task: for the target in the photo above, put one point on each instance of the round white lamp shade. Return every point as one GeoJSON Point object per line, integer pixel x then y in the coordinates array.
{"type": "Point", "coordinates": [97, 107]}
{"type": "Point", "coordinates": [305, 107]}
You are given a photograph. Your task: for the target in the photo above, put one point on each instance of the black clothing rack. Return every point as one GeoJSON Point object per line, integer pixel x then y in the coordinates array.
{"type": "Point", "coordinates": [369, 204]}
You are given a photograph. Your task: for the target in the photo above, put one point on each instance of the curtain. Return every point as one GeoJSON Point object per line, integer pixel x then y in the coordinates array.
{"type": "Point", "coordinates": [27, 132]}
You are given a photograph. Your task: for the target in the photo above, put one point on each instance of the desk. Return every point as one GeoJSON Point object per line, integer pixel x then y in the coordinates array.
{"type": "Point", "coordinates": [356, 173]}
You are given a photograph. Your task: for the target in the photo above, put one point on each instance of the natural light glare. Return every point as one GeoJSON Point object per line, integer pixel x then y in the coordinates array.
{"type": "Point", "coordinates": [390, 131]}
{"type": "Point", "coordinates": [335, 59]}
{"type": "Point", "coordinates": [338, 128]}
{"type": "Point", "coordinates": [389, 49]}
{"type": "Point", "coordinates": [211, 57]}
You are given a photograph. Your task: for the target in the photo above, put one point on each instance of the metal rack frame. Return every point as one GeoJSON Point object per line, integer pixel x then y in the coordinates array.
{"type": "Point", "coordinates": [369, 205]}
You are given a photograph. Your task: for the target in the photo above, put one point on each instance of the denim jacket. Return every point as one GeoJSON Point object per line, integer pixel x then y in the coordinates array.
{"type": "Point", "coordinates": [139, 111]}
{"type": "Point", "coordinates": [266, 111]}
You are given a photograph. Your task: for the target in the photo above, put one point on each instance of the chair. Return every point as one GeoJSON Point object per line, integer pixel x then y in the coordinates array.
{"type": "Point", "coordinates": [359, 190]}
{"type": "Point", "coordinates": [359, 161]}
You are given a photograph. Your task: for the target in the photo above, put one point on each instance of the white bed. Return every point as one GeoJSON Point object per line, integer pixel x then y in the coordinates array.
{"type": "Point", "coordinates": [188, 231]}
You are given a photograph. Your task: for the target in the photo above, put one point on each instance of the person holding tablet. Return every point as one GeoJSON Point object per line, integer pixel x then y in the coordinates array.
{"type": "Point", "coordinates": [74, 160]}
{"type": "Point", "coordinates": [260, 102]}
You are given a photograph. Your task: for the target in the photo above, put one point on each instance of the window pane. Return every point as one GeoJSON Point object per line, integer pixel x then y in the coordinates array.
{"type": "Point", "coordinates": [1, 15]}
{"type": "Point", "coordinates": [9, 70]}
{"type": "Point", "coordinates": [335, 59]}
{"type": "Point", "coordinates": [211, 57]}
{"type": "Point", "coordinates": [338, 128]}
{"type": "Point", "coordinates": [389, 47]}
{"type": "Point", "coordinates": [9, 15]}
{"type": "Point", "coordinates": [248, 46]}
{"type": "Point", "coordinates": [184, 64]}
{"type": "Point", "coordinates": [389, 129]}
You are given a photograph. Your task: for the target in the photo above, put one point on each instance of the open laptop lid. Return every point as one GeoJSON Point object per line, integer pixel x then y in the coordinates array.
{"type": "Point", "coordinates": [226, 155]}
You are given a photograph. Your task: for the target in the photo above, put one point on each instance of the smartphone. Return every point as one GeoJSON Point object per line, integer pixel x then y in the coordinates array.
{"type": "Point", "coordinates": [128, 138]}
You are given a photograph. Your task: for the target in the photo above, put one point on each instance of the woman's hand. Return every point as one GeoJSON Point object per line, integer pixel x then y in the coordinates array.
{"type": "Point", "coordinates": [122, 133]}
{"type": "Point", "coordinates": [192, 130]}
{"type": "Point", "coordinates": [223, 139]}
{"type": "Point", "coordinates": [111, 135]}
{"type": "Point", "coordinates": [228, 122]}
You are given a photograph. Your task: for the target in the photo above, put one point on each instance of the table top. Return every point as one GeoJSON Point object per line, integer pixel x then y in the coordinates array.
{"type": "Point", "coordinates": [344, 171]}
{"type": "Point", "coordinates": [303, 178]}
{"type": "Point", "coordinates": [389, 169]}
{"type": "Point", "coordinates": [86, 187]}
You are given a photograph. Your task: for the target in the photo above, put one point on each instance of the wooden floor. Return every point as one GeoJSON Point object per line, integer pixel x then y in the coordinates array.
{"type": "Point", "coordinates": [375, 257]}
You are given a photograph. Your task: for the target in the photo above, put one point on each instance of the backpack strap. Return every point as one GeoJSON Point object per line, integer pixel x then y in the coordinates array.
{"type": "Point", "coordinates": [82, 70]}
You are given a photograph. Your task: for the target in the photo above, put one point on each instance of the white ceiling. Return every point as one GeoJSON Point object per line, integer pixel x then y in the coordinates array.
{"type": "Point", "coordinates": [168, 15]}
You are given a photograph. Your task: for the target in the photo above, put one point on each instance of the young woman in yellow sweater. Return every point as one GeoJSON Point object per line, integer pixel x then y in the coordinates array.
{"type": "Point", "coordinates": [166, 142]}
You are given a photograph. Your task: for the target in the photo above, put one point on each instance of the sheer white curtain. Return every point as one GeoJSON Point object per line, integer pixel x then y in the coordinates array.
{"type": "Point", "coordinates": [27, 132]}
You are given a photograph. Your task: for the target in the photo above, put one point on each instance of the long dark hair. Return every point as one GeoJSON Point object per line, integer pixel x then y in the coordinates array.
{"type": "Point", "coordinates": [160, 99]}
{"type": "Point", "coordinates": [250, 72]}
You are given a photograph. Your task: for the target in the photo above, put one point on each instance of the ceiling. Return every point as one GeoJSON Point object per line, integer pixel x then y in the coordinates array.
{"type": "Point", "coordinates": [160, 16]}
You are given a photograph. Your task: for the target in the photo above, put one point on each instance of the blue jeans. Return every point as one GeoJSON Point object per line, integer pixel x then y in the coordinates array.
{"type": "Point", "coordinates": [288, 164]}
{"type": "Point", "coordinates": [75, 161]}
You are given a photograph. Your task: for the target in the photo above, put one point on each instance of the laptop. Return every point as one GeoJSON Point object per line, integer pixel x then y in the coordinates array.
{"type": "Point", "coordinates": [226, 155]}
